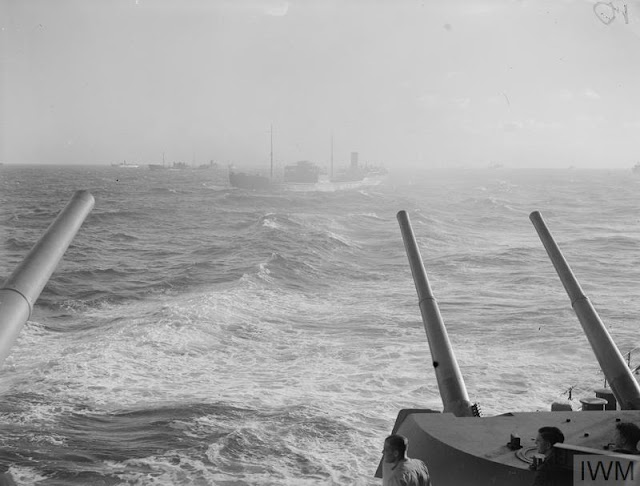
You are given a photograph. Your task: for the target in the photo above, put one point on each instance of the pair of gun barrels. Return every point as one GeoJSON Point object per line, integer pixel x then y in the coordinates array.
{"type": "Point", "coordinates": [450, 382]}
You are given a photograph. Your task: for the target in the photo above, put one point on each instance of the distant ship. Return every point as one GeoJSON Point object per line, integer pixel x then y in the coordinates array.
{"type": "Point", "coordinates": [179, 166]}
{"type": "Point", "coordinates": [636, 168]}
{"type": "Point", "coordinates": [252, 182]}
{"type": "Point", "coordinates": [353, 177]}
{"type": "Point", "coordinates": [326, 184]}
{"type": "Point", "coordinates": [175, 166]}
{"type": "Point", "coordinates": [158, 166]}
{"type": "Point", "coordinates": [359, 174]}
{"type": "Point", "coordinates": [301, 172]}
{"type": "Point", "coordinates": [124, 165]}
{"type": "Point", "coordinates": [211, 165]}
{"type": "Point", "coordinates": [306, 176]}
{"type": "Point", "coordinates": [356, 173]}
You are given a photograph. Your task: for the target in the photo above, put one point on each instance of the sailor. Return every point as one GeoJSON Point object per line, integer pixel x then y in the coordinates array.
{"type": "Point", "coordinates": [626, 438]}
{"type": "Point", "coordinates": [5, 477]}
{"type": "Point", "coordinates": [550, 472]}
{"type": "Point", "coordinates": [400, 470]}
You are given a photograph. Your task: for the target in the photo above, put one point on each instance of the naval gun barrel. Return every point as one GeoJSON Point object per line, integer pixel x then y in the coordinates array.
{"type": "Point", "coordinates": [450, 383]}
{"type": "Point", "coordinates": [21, 290]}
{"type": "Point", "coordinates": [623, 385]}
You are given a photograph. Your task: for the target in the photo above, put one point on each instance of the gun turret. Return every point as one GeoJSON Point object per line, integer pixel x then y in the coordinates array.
{"type": "Point", "coordinates": [21, 290]}
{"type": "Point", "coordinates": [623, 385]}
{"type": "Point", "coordinates": [450, 383]}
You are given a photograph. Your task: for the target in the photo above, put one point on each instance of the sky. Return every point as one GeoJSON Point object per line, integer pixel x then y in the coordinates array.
{"type": "Point", "coordinates": [544, 83]}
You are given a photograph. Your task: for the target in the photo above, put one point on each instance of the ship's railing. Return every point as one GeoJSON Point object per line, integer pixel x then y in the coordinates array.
{"type": "Point", "coordinates": [623, 385]}
{"type": "Point", "coordinates": [634, 368]}
{"type": "Point", "coordinates": [21, 290]}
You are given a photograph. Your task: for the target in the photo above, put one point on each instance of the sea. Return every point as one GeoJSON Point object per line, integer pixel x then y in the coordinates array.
{"type": "Point", "coordinates": [197, 334]}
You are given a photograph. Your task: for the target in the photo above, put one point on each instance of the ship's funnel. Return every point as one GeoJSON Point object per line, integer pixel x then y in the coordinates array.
{"type": "Point", "coordinates": [624, 386]}
{"type": "Point", "coordinates": [450, 383]}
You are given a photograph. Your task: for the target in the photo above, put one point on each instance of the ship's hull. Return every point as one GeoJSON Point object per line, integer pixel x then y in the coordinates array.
{"type": "Point", "coordinates": [125, 166]}
{"type": "Point", "coordinates": [326, 185]}
{"type": "Point", "coordinates": [157, 167]}
{"type": "Point", "coordinates": [262, 183]}
{"type": "Point", "coordinates": [249, 181]}
{"type": "Point", "coordinates": [303, 172]}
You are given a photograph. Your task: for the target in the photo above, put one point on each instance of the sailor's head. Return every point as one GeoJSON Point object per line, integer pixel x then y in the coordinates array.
{"type": "Point", "coordinates": [395, 448]}
{"type": "Point", "coordinates": [627, 436]}
{"type": "Point", "coordinates": [547, 436]}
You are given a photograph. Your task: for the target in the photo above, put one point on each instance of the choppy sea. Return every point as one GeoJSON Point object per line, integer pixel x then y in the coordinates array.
{"type": "Point", "coordinates": [196, 334]}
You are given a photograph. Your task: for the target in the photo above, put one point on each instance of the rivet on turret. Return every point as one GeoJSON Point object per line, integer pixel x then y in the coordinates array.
{"type": "Point", "coordinates": [586, 434]}
{"type": "Point", "coordinates": [568, 420]}
{"type": "Point", "coordinates": [435, 364]}
{"type": "Point", "coordinates": [618, 419]}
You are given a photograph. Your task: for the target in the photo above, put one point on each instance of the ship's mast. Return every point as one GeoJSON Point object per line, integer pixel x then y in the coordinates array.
{"type": "Point", "coordinates": [332, 156]}
{"type": "Point", "coordinates": [271, 152]}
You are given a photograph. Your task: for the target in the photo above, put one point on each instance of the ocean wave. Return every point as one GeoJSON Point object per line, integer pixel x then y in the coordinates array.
{"type": "Point", "coordinates": [343, 240]}
{"type": "Point", "coordinates": [14, 244]}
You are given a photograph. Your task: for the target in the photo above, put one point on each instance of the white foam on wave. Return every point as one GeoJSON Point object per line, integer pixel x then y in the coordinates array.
{"type": "Point", "coordinates": [23, 475]}
{"type": "Point", "coordinates": [246, 346]}
{"type": "Point", "coordinates": [361, 358]}
{"type": "Point", "coordinates": [270, 220]}
{"type": "Point", "coordinates": [264, 273]}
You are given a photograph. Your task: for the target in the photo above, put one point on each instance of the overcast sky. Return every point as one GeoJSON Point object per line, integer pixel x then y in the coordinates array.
{"type": "Point", "coordinates": [522, 83]}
